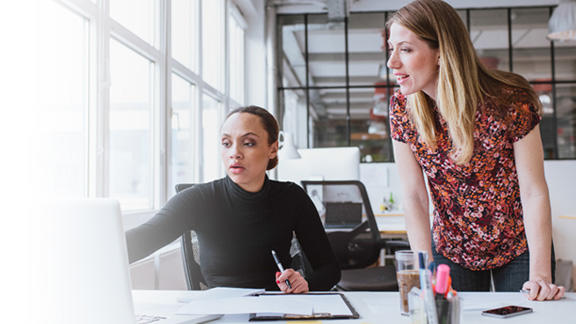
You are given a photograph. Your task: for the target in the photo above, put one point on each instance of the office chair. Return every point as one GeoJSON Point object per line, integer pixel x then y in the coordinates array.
{"type": "Point", "coordinates": [192, 272]}
{"type": "Point", "coordinates": [358, 246]}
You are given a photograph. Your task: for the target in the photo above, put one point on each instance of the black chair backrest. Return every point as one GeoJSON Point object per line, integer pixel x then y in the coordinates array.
{"type": "Point", "coordinates": [359, 246]}
{"type": "Point", "coordinates": [192, 269]}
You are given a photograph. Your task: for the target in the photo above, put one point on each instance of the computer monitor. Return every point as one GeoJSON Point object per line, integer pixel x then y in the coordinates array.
{"type": "Point", "coordinates": [330, 163]}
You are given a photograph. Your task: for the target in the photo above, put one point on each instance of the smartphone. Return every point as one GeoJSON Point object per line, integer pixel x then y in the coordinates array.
{"type": "Point", "coordinates": [507, 311]}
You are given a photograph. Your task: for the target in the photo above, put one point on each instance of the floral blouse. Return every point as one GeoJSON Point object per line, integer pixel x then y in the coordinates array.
{"type": "Point", "coordinates": [477, 214]}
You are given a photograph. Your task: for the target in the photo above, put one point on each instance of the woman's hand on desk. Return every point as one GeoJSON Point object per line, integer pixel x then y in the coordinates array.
{"type": "Point", "coordinates": [542, 290]}
{"type": "Point", "coordinates": [298, 283]}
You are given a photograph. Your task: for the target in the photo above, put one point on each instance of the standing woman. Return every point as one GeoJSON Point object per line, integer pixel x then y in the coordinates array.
{"type": "Point", "coordinates": [242, 217]}
{"type": "Point", "coordinates": [475, 134]}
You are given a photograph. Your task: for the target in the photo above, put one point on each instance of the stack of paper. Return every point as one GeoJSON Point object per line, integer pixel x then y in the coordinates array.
{"type": "Point", "coordinates": [221, 292]}
{"type": "Point", "coordinates": [244, 305]}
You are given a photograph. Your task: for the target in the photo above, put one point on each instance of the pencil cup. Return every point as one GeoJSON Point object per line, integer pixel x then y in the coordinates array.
{"type": "Point", "coordinates": [416, 305]}
{"type": "Point", "coordinates": [407, 276]}
{"type": "Point", "coordinates": [448, 310]}
{"type": "Point", "coordinates": [453, 311]}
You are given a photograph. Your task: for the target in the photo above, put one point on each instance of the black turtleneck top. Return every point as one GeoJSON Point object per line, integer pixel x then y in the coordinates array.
{"type": "Point", "coordinates": [238, 229]}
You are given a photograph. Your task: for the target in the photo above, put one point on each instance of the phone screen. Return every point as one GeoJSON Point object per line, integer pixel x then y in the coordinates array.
{"type": "Point", "coordinates": [507, 311]}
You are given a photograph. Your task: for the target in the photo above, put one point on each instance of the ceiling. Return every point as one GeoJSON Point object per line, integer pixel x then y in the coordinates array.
{"type": "Point", "coordinates": [317, 6]}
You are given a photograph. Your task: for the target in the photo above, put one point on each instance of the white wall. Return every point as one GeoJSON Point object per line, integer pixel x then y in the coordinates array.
{"type": "Point", "coordinates": [382, 178]}
{"type": "Point", "coordinates": [561, 177]}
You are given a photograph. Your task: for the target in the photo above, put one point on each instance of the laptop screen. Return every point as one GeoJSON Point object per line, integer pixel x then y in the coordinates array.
{"type": "Point", "coordinates": [343, 214]}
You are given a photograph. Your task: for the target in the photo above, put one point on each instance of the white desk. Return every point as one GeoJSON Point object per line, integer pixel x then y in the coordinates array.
{"type": "Point", "coordinates": [384, 307]}
{"type": "Point", "coordinates": [391, 225]}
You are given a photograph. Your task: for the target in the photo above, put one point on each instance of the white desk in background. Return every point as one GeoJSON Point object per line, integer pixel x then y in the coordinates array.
{"type": "Point", "coordinates": [384, 307]}
{"type": "Point", "coordinates": [391, 225]}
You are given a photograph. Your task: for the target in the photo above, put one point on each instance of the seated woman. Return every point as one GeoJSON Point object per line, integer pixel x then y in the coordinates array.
{"type": "Point", "coordinates": [242, 217]}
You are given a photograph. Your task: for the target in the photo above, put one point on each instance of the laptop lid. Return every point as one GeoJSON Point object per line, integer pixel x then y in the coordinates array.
{"type": "Point", "coordinates": [343, 214]}
{"type": "Point", "coordinates": [83, 266]}
{"type": "Point", "coordinates": [83, 262]}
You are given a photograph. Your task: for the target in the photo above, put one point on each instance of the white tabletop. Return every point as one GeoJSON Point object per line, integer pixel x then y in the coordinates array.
{"type": "Point", "coordinates": [391, 224]}
{"type": "Point", "coordinates": [384, 307]}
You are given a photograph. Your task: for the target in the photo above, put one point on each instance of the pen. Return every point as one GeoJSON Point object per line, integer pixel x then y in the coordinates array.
{"type": "Point", "coordinates": [432, 267]}
{"type": "Point", "coordinates": [426, 287]}
{"type": "Point", "coordinates": [280, 267]}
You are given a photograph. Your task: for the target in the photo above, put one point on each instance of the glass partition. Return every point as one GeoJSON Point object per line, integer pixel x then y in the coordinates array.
{"type": "Point", "coordinates": [347, 96]}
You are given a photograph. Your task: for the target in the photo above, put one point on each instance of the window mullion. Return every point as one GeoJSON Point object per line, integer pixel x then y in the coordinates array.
{"type": "Point", "coordinates": [226, 60]}
{"type": "Point", "coordinates": [82, 7]}
{"type": "Point", "coordinates": [103, 101]}
{"type": "Point", "coordinates": [93, 138]}
{"type": "Point", "coordinates": [199, 175]}
{"type": "Point", "coordinates": [225, 106]}
{"type": "Point", "coordinates": [184, 72]}
{"type": "Point", "coordinates": [164, 108]}
{"type": "Point", "coordinates": [132, 41]}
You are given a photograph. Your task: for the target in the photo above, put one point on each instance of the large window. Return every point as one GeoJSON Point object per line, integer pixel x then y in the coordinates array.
{"type": "Point", "coordinates": [210, 130]}
{"type": "Point", "coordinates": [237, 63]}
{"type": "Point", "coordinates": [63, 90]}
{"type": "Point", "coordinates": [139, 16]}
{"type": "Point", "coordinates": [337, 73]}
{"type": "Point", "coordinates": [133, 93]}
{"type": "Point", "coordinates": [131, 144]}
{"type": "Point", "coordinates": [185, 32]}
{"type": "Point", "coordinates": [183, 130]}
{"type": "Point", "coordinates": [213, 42]}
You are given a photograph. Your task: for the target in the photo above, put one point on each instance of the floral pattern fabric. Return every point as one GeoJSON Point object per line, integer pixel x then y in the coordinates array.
{"type": "Point", "coordinates": [477, 218]}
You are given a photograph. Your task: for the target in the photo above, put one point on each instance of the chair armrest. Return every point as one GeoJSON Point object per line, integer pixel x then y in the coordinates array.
{"type": "Point", "coordinates": [362, 227]}
{"type": "Point", "coordinates": [396, 244]}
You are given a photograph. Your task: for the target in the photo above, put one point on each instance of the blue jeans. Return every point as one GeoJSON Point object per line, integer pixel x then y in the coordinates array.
{"type": "Point", "coordinates": [509, 277]}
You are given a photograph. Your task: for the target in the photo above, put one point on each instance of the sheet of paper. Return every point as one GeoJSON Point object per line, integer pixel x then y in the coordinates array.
{"type": "Point", "coordinates": [321, 303]}
{"type": "Point", "coordinates": [221, 292]}
{"type": "Point", "coordinates": [246, 305]}
{"type": "Point", "coordinates": [168, 310]}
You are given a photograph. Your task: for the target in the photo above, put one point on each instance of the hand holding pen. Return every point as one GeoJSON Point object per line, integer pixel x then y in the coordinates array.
{"type": "Point", "coordinates": [288, 280]}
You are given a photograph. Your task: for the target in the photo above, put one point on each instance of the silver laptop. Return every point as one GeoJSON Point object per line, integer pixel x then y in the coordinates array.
{"type": "Point", "coordinates": [88, 266]}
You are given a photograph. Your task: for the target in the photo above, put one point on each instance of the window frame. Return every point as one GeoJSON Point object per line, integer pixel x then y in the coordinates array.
{"type": "Point", "coordinates": [103, 28]}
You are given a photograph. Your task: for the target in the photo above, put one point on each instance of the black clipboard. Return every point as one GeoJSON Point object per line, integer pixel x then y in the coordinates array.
{"type": "Point", "coordinates": [319, 316]}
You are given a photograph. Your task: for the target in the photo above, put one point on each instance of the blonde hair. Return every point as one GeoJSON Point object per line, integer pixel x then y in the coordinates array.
{"type": "Point", "coordinates": [463, 82]}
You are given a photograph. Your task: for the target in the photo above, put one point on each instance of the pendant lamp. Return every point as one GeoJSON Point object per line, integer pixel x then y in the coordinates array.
{"type": "Point", "coordinates": [562, 24]}
{"type": "Point", "coordinates": [287, 150]}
